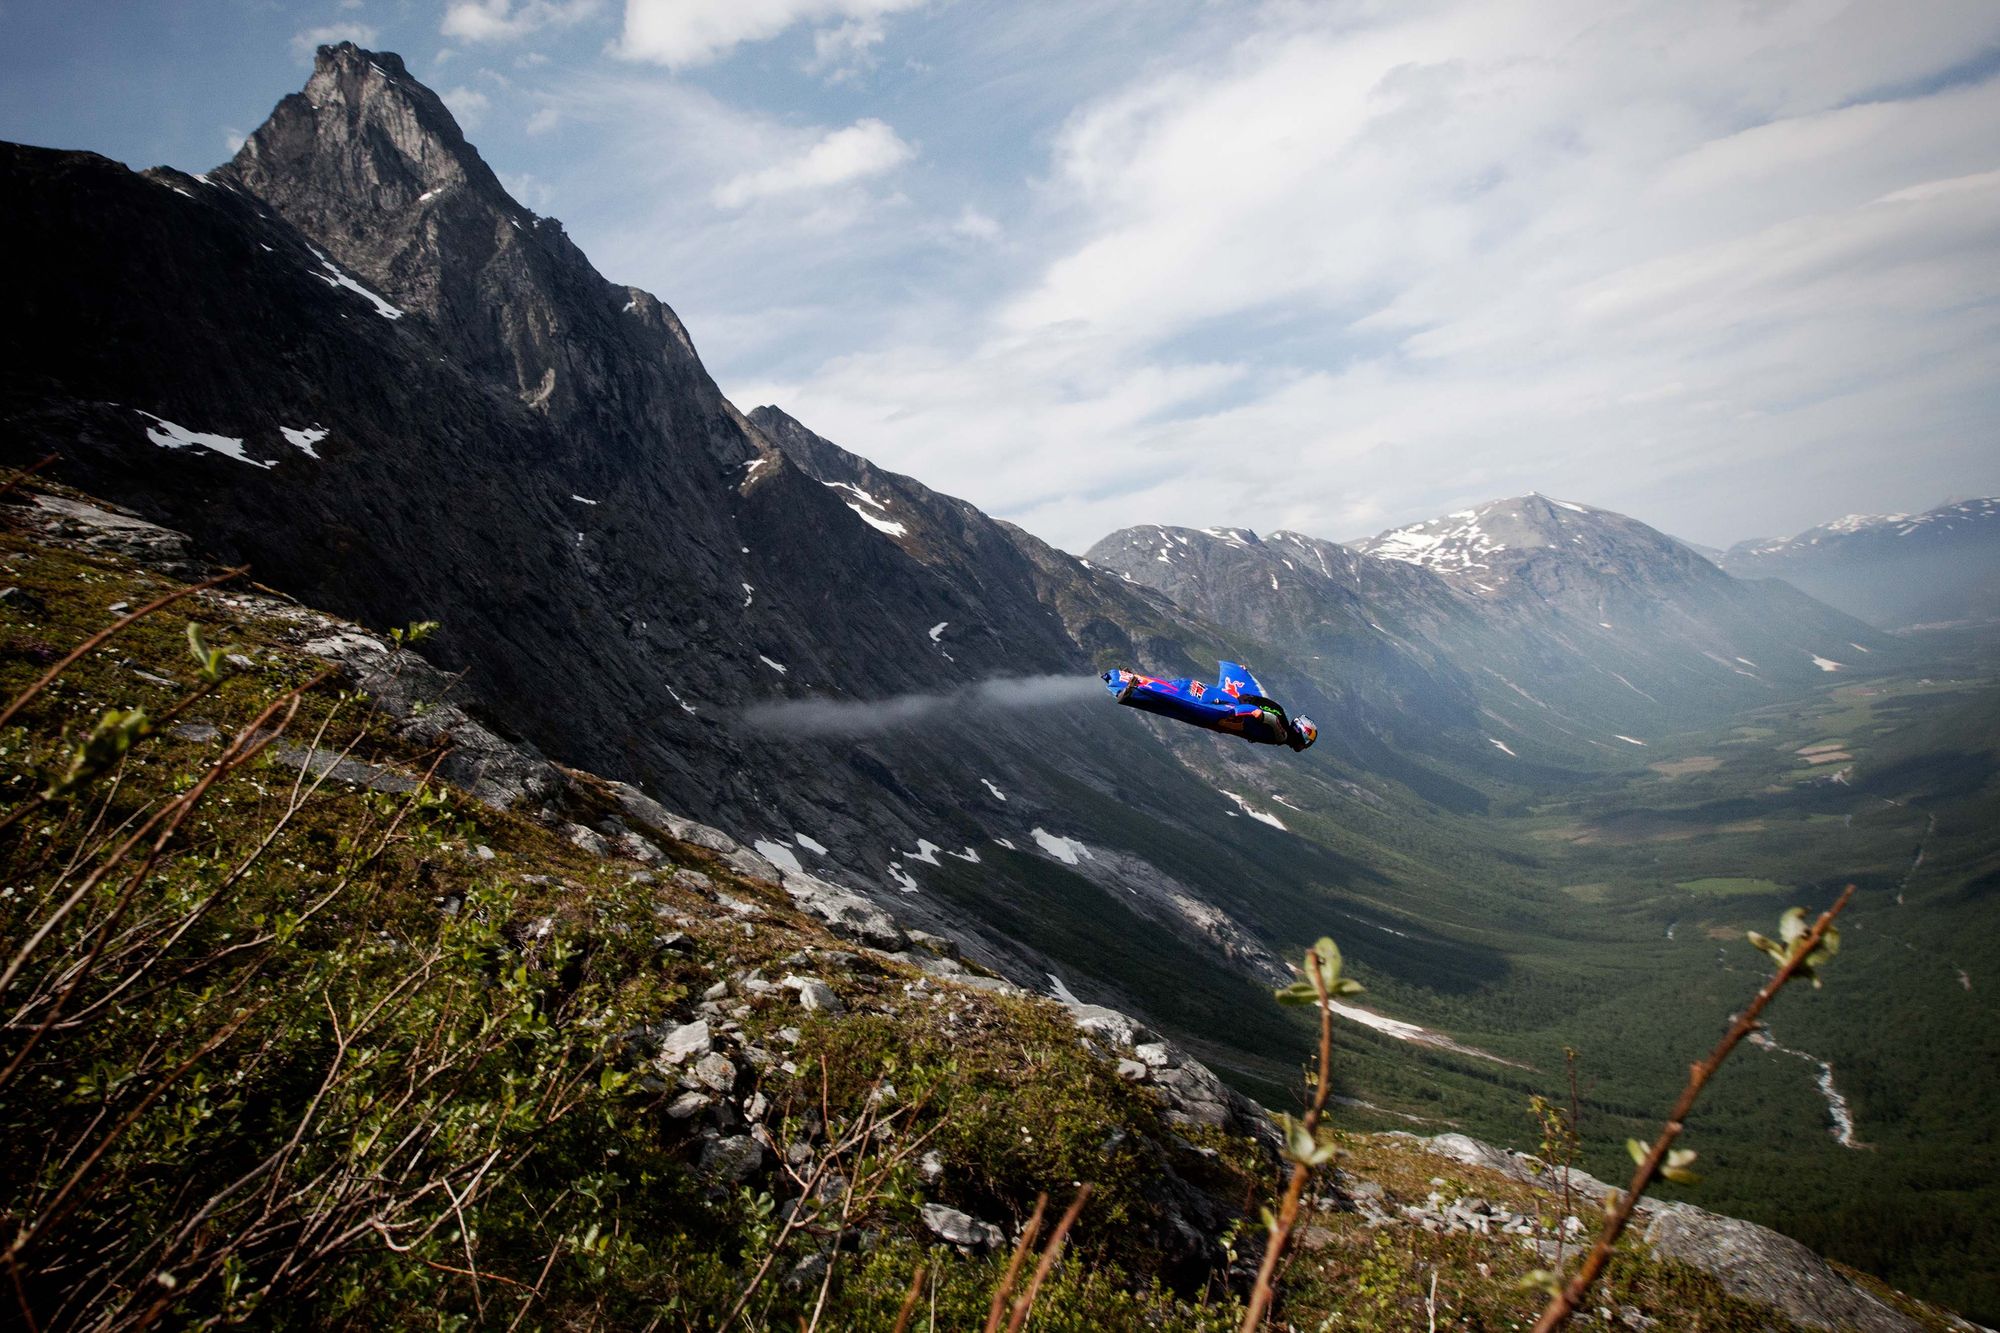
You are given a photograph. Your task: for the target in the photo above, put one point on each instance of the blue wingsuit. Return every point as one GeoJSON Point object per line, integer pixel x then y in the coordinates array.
{"type": "Point", "coordinates": [1235, 704]}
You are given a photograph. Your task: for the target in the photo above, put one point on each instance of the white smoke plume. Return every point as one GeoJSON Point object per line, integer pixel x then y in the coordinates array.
{"type": "Point", "coordinates": [869, 717]}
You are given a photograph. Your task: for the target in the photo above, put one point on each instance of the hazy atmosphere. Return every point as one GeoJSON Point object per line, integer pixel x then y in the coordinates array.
{"type": "Point", "coordinates": [1732, 269]}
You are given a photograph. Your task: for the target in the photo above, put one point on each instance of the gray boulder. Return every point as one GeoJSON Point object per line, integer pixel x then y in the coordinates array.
{"type": "Point", "coordinates": [814, 994]}
{"type": "Point", "coordinates": [732, 1160]}
{"type": "Point", "coordinates": [686, 1041]}
{"type": "Point", "coordinates": [949, 1224]}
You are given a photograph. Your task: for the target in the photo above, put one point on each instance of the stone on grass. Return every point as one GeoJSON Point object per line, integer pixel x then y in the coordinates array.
{"type": "Point", "coordinates": [958, 1228]}
{"type": "Point", "coordinates": [732, 1160]}
{"type": "Point", "coordinates": [689, 1039]}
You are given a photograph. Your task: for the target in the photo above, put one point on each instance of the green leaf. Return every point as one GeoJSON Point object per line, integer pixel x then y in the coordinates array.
{"type": "Point", "coordinates": [1778, 952]}
{"type": "Point", "coordinates": [1792, 925]}
{"type": "Point", "coordinates": [208, 660]}
{"type": "Point", "coordinates": [1328, 954]}
{"type": "Point", "coordinates": [1637, 1149]}
{"type": "Point", "coordinates": [1299, 1144]}
{"type": "Point", "coordinates": [1349, 986]}
{"type": "Point", "coordinates": [1299, 992]}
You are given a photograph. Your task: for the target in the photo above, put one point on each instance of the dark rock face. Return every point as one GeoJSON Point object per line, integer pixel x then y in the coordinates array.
{"type": "Point", "coordinates": [1891, 570]}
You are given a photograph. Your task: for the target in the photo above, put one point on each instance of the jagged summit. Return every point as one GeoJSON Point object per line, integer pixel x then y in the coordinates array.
{"type": "Point", "coordinates": [364, 129]}
{"type": "Point", "coordinates": [369, 164]}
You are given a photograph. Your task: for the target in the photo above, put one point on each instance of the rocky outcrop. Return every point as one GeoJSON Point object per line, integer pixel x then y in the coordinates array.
{"type": "Point", "coordinates": [1189, 1090]}
{"type": "Point", "coordinates": [1751, 1261]}
{"type": "Point", "coordinates": [1758, 1264]}
{"type": "Point", "coordinates": [112, 531]}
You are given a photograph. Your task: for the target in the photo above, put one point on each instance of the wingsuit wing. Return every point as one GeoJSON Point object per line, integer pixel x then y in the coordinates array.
{"type": "Point", "coordinates": [1236, 681]}
{"type": "Point", "coordinates": [1183, 700]}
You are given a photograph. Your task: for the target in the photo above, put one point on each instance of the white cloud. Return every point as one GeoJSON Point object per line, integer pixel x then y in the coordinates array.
{"type": "Point", "coordinates": [681, 33]}
{"type": "Point", "coordinates": [544, 120]}
{"type": "Point", "coordinates": [975, 225]}
{"type": "Point", "coordinates": [233, 137]}
{"type": "Point", "coordinates": [847, 50]}
{"type": "Point", "coordinates": [506, 20]}
{"type": "Point", "coordinates": [1688, 261]}
{"type": "Point", "coordinates": [862, 150]}
{"type": "Point", "coordinates": [468, 106]}
{"type": "Point", "coordinates": [304, 44]}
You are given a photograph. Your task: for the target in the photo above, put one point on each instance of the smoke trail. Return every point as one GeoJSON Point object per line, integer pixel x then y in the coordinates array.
{"type": "Point", "coordinates": [868, 717]}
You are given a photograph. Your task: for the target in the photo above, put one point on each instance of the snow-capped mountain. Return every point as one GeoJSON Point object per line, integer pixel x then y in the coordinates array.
{"type": "Point", "coordinates": [1893, 570]}
{"type": "Point", "coordinates": [1534, 545]}
{"type": "Point", "coordinates": [1527, 625]}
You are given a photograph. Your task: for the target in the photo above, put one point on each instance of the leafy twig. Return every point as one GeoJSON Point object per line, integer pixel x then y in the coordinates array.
{"type": "Point", "coordinates": [1804, 949]}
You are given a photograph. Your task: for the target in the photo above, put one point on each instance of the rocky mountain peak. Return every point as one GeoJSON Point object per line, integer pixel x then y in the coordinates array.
{"type": "Point", "coordinates": [364, 129]}
{"type": "Point", "coordinates": [1486, 548]}
{"type": "Point", "coordinates": [370, 166]}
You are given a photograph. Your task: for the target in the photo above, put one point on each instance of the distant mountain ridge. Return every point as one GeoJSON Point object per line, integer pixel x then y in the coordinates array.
{"type": "Point", "coordinates": [1523, 627]}
{"type": "Point", "coordinates": [1892, 570]}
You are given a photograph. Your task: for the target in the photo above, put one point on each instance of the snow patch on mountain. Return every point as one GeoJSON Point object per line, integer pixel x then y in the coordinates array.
{"type": "Point", "coordinates": [884, 525]}
{"type": "Point", "coordinates": [335, 276]}
{"type": "Point", "coordinates": [169, 435]}
{"type": "Point", "coordinates": [303, 438]}
{"type": "Point", "coordinates": [1261, 816]}
{"type": "Point", "coordinates": [1067, 850]}
{"type": "Point", "coordinates": [778, 855]}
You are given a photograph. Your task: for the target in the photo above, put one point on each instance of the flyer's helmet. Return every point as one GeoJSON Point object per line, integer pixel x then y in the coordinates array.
{"type": "Point", "coordinates": [1304, 733]}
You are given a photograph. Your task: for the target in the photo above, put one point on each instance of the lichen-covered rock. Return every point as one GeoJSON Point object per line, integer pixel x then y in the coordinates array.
{"type": "Point", "coordinates": [116, 532]}
{"type": "Point", "coordinates": [1758, 1264]}
{"type": "Point", "coordinates": [845, 912]}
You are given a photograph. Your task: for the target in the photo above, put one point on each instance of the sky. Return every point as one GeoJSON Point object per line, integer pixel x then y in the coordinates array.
{"type": "Point", "coordinates": [1732, 268]}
